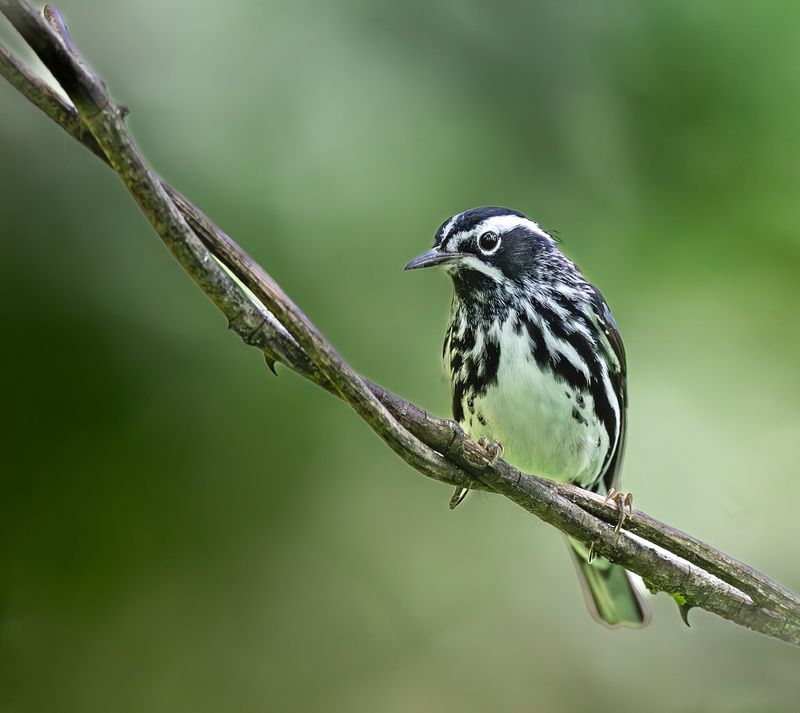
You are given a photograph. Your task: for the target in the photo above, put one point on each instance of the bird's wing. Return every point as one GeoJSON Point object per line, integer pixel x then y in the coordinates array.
{"type": "Point", "coordinates": [611, 340]}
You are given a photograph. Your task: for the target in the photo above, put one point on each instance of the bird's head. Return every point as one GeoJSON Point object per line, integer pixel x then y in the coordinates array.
{"type": "Point", "coordinates": [484, 248]}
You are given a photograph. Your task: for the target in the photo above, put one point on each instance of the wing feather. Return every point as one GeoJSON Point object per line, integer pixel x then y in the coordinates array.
{"type": "Point", "coordinates": [611, 339]}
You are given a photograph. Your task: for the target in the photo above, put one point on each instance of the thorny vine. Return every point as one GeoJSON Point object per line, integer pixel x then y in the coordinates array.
{"type": "Point", "coordinates": [263, 316]}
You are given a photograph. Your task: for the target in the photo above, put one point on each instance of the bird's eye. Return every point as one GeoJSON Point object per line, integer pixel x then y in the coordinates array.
{"type": "Point", "coordinates": [488, 242]}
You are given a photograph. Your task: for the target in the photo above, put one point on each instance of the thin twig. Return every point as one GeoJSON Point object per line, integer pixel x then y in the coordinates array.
{"type": "Point", "coordinates": [669, 560]}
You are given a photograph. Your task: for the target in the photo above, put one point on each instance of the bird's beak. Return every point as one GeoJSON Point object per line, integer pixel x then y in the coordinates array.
{"type": "Point", "coordinates": [432, 258]}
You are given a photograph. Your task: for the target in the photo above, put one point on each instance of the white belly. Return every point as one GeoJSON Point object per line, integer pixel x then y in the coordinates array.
{"type": "Point", "coordinates": [544, 427]}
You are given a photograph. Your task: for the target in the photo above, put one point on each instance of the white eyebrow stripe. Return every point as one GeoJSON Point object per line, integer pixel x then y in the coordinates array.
{"type": "Point", "coordinates": [497, 224]}
{"type": "Point", "coordinates": [503, 223]}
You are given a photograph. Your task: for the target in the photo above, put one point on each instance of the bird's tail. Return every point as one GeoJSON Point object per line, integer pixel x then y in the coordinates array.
{"type": "Point", "coordinates": [615, 597]}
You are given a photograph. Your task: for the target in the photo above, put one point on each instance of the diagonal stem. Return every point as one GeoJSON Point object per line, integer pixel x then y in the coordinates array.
{"type": "Point", "coordinates": [668, 559]}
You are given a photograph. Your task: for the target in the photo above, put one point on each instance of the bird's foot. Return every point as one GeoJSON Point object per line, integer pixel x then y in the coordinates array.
{"type": "Point", "coordinates": [492, 449]}
{"type": "Point", "coordinates": [622, 501]}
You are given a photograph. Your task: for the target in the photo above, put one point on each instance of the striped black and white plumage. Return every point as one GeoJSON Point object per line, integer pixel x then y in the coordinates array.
{"type": "Point", "coordinates": [536, 363]}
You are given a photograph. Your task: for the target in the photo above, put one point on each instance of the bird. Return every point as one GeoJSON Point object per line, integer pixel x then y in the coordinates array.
{"type": "Point", "coordinates": [537, 370]}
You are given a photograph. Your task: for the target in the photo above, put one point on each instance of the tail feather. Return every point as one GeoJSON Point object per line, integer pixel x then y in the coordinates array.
{"type": "Point", "coordinates": [615, 597]}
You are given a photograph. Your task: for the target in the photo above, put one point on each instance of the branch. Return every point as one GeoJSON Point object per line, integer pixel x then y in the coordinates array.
{"type": "Point", "coordinates": [263, 316]}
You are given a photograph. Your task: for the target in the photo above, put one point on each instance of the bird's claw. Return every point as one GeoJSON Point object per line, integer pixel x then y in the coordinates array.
{"type": "Point", "coordinates": [622, 501]}
{"type": "Point", "coordinates": [493, 449]}
{"type": "Point", "coordinates": [458, 496]}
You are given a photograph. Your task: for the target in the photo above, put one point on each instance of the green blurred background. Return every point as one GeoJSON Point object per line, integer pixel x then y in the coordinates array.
{"type": "Point", "coordinates": [182, 531]}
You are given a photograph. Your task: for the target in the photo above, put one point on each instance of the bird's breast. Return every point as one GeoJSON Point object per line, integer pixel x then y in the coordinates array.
{"type": "Point", "coordinates": [500, 391]}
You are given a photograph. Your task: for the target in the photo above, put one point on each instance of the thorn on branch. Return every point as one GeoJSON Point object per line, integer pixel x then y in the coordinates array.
{"type": "Point", "coordinates": [683, 607]}
{"type": "Point", "coordinates": [251, 338]}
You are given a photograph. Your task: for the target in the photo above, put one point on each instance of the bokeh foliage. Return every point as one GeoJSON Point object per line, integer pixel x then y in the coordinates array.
{"type": "Point", "coordinates": [179, 530]}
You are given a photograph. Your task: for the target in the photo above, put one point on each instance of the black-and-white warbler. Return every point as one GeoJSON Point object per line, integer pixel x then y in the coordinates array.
{"type": "Point", "coordinates": [537, 365]}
